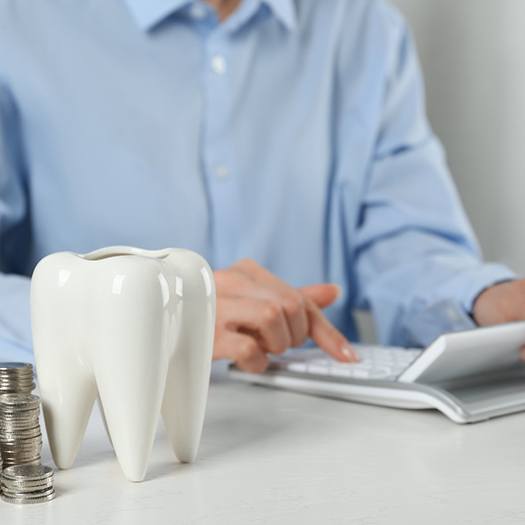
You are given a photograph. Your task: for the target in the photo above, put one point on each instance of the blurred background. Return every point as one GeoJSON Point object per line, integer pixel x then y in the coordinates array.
{"type": "Point", "coordinates": [473, 57]}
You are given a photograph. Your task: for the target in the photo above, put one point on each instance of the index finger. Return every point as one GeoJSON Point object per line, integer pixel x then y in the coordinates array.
{"type": "Point", "coordinates": [327, 336]}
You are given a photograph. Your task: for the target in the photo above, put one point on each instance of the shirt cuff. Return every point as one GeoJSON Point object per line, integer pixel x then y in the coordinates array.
{"type": "Point", "coordinates": [480, 279]}
{"type": "Point", "coordinates": [454, 314]}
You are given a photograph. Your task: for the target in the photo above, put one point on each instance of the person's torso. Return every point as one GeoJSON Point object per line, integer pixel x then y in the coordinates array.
{"type": "Point", "coordinates": [250, 143]}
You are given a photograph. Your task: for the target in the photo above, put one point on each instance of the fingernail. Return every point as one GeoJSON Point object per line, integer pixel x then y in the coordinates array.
{"type": "Point", "coordinates": [349, 353]}
{"type": "Point", "coordinates": [339, 290]}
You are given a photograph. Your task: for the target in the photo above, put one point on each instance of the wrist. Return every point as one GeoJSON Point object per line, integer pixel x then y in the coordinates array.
{"type": "Point", "coordinates": [501, 302]}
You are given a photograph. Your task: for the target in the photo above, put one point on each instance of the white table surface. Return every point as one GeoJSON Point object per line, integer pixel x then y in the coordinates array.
{"type": "Point", "coordinates": [271, 457]}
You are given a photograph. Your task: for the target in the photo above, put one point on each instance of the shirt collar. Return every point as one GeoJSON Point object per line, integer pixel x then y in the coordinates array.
{"type": "Point", "coordinates": [285, 11]}
{"type": "Point", "coordinates": [149, 13]}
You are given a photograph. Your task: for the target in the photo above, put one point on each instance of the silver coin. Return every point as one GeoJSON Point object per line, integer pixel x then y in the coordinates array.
{"type": "Point", "coordinates": [30, 454]}
{"type": "Point", "coordinates": [24, 501]}
{"type": "Point", "coordinates": [11, 491]}
{"type": "Point", "coordinates": [16, 430]}
{"type": "Point", "coordinates": [33, 494]}
{"type": "Point", "coordinates": [15, 385]}
{"type": "Point", "coordinates": [26, 424]}
{"type": "Point", "coordinates": [6, 437]}
{"type": "Point", "coordinates": [14, 449]}
{"type": "Point", "coordinates": [14, 490]}
{"type": "Point", "coordinates": [29, 428]}
{"type": "Point", "coordinates": [18, 456]}
{"type": "Point", "coordinates": [21, 462]}
{"type": "Point", "coordinates": [21, 444]}
{"type": "Point", "coordinates": [22, 432]}
{"type": "Point", "coordinates": [20, 410]}
{"type": "Point", "coordinates": [20, 438]}
{"type": "Point", "coordinates": [20, 459]}
{"type": "Point", "coordinates": [19, 417]}
{"type": "Point", "coordinates": [27, 450]}
{"type": "Point", "coordinates": [8, 446]}
{"type": "Point", "coordinates": [19, 399]}
{"type": "Point", "coordinates": [29, 473]}
{"type": "Point", "coordinates": [22, 407]}
{"type": "Point", "coordinates": [24, 484]}
{"type": "Point", "coordinates": [28, 432]}
{"type": "Point", "coordinates": [15, 426]}
{"type": "Point", "coordinates": [28, 494]}
{"type": "Point", "coordinates": [19, 432]}
{"type": "Point", "coordinates": [27, 453]}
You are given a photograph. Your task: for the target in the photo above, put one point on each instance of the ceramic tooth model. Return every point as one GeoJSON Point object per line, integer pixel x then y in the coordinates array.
{"type": "Point", "coordinates": [134, 327]}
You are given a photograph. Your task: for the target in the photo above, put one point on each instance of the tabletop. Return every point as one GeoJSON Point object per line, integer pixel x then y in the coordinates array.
{"type": "Point", "coordinates": [274, 457]}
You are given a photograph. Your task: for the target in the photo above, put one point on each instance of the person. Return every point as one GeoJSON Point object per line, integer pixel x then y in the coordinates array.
{"type": "Point", "coordinates": [284, 140]}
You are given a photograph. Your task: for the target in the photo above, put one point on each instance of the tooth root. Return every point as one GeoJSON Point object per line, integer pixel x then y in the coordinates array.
{"type": "Point", "coordinates": [103, 417]}
{"type": "Point", "coordinates": [130, 370]}
{"type": "Point", "coordinates": [67, 401]}
{"type": "Point", "coordinates": [188, 378]}
{"type": "Point", "coordinates": [66, 386]}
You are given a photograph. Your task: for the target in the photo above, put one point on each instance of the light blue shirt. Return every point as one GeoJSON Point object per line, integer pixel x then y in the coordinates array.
{"type": "Point", "coordinates": [294, 133]}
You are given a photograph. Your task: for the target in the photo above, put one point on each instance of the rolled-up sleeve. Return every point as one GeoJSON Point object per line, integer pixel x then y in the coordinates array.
{"type": "Point", "coordinates": [15, 328]}
{"type": "Point", "coordinates": [417, 261]}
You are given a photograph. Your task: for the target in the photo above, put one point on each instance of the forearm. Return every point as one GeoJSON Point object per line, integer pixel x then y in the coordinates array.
{"type": "Point", "coordinates": [15, 327]}
{"type": "Point", "coordinates": [15, 323]}
{"type": "Point", "coordinates": [419, 285]}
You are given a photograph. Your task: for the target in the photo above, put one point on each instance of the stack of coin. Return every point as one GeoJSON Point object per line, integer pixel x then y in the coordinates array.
{"type": "Point", "coordinates": [20, 436]}
{"type": "Point", "coordinates": [27, 484]}
{"type": "Point", "coordinates": [16, 378]}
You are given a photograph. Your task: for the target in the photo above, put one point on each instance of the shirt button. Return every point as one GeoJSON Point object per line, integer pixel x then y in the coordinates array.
{"type": "Point", "coordinates": [197, 11]}
{"type": "Point", "coordinates": [218, 64]}
{"type": "Point", "coordinates": [222, 172]}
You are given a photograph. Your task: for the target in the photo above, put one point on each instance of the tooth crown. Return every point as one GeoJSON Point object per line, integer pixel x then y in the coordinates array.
{"type": "Point", "coordinates": [134, 327]}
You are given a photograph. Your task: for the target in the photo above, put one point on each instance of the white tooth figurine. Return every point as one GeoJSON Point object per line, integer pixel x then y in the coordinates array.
{"type": "Point", "coordinates": [135, 327]}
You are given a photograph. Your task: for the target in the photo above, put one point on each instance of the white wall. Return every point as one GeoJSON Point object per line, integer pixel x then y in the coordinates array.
{"type": "Point", "coordinates": [473, 57]}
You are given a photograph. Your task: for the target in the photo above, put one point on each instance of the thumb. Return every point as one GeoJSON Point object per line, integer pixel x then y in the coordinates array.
{"type": "Point", "coordinates": [322, 295]}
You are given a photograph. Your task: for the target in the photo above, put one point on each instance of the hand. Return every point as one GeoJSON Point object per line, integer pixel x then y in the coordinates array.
{"type": "Point", "coordinates": [258, 314]}
{"type": "Point", "coordinates": [501, 303]}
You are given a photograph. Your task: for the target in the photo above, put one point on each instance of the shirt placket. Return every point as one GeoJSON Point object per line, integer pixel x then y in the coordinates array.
{"type": "Point", "coordinates": [219, 165]}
